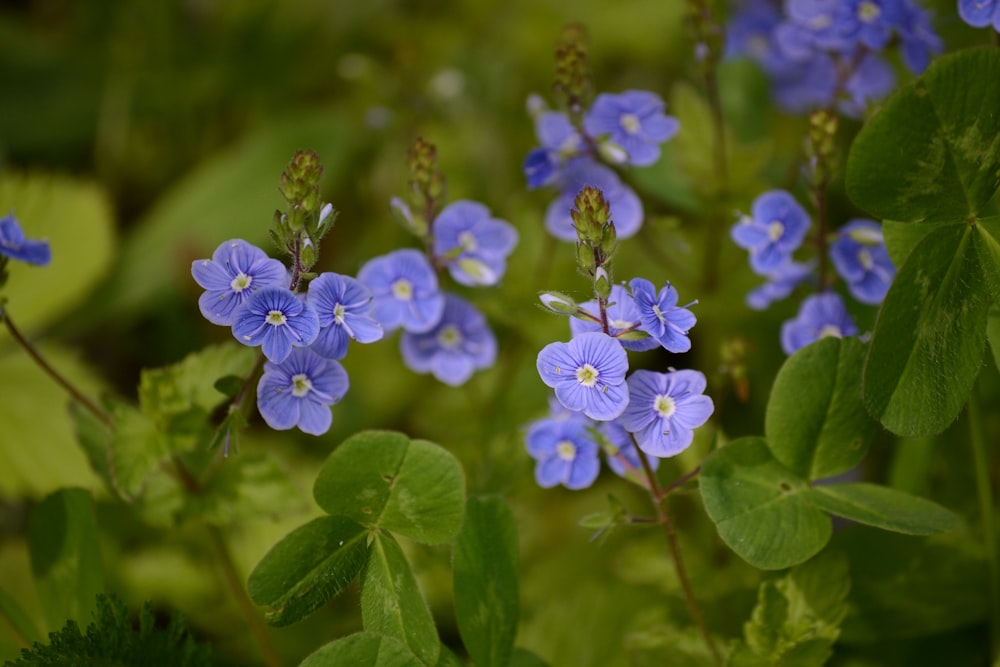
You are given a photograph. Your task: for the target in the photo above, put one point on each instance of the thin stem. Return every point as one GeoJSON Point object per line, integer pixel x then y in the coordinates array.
{"type": "Point", "coordinates": [819, 199]}
{"type": "Point", "coordinates": [77, 395]}
{"type": "Point", "coordinates": [984, 492]}
{"type": "Point", "coordinates": [680, 481]}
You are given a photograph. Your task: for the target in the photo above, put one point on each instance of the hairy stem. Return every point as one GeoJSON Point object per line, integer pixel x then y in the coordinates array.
{"type": "Point", "coordinates": [984, 492]}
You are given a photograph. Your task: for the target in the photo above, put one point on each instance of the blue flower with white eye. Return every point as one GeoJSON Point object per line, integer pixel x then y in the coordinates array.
{"type": "Point", "coordinates": [473, 244]}
{"type": "Point", "coordinates": [404, 289]}
{"type": "Point", "coordinates": [276, 320]}
{"type": "Point", "coordinates": [774, 231]}
{"type": "Point", "coordinates": [460, 344]}
{"type": "Point", "coordinates": [820, 315]}
{"type": "Point", "coordinates": [237, 270]}
{"type": "Point", "coordinates": [588, 374]}
{"type": "Point", "coordinates": [780, 283]}
{"type": "Point", "coordinates": [565, 452]}
{"type": "Point", "coordinates": [980, 13]}
{"type": "Point", "coordinates": [623, 317]}
{"type": "Point", "coordinates": [15, 245]}
{"type": "Point", "coordinates": [660, 315]}
{"type": "Point", "coordinates": [626, 209]}
{"type": "Point", "coordinates": [665, 408]}
{"type": "Point", "coordinates": [861, 259]}
{"type": "Point", "coordinates": [343, 306]}
{"type": "Point", "coordinates": [633, 121]}
{"type": "Point", "coordinates": [300, 390]}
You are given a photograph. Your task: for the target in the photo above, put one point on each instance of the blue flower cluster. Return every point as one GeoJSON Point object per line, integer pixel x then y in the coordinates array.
{"type": "Point", "coordinates": [822, 53]}
{"type": "Point", "coordinates": [621, 129]}
{"type": "Point", "coordinates": [303, 336]}
{"type": "Point", "coordinates": [774, 230]}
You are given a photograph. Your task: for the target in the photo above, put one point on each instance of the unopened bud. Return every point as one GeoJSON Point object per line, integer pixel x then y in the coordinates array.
{"type": "Point", "coordinates": [558, 302]}
{"type": "Point", "coordinates": [602, 283]}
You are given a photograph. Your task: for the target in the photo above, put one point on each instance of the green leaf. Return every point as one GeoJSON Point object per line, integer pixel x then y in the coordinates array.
{"type": "Point", "coordinates": [993, 334]}
{"type": "Point", "coordinates": [363, 648]}
{"type": "Point", "coordinates": [761, 508]}
{"type": "Point", "coordinates": [137, 448]}
{"type": "Point", "coordinates": [307, 567]}
{"type": "Point", "coordinates": [522, 657]}
{"type": "Point", "coordinates": [382, 478]}
{"type": "Point", "coordinates": [65, 556]}
{"type": "Point", "coordinates": [250, 486]}
{"type": "Point", "coordinates": [486, 581]}
{"type": "Point", "coordinates": [928, 342]}
{"type": "Point", "coordinates": [816, 424]}
{"type": "Point", "coordinates": [448, 659]}
{"type": "Point", "coordinates": [932, 154]}
{"type": "Point", "coordinates": [902, 237]}
{"type": "Point", "coordinates": [392, 603]}
{"type": "Point", "coordinates": [18, 618]}
{"type": "Point", "coordinates": [885, 508]}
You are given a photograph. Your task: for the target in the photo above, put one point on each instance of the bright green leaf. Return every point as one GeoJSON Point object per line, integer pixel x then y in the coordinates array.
{"type": "Point", "coordinates": [363, 648]}
{"type": "Point", "coordinates": [885, 508]}
{"type": "Point", "coordinates": [761, 508]}
{"type": "Point", "coordinates": [392, 603]}
{"type": "Point", "coordinates": [486, 581]}
{"type": "Point", "coordinates": [816, 424]}
{"type": "Point", "coordinates": [382, 478]}
{"type": "Point", "coordinates": [307, 567]}
{"type": "Point", "coordinates": [246, 487]}
{"type": "Point", "coordinates": [136, 449]}
{"type": "Point", "coordinates": [65, 556]}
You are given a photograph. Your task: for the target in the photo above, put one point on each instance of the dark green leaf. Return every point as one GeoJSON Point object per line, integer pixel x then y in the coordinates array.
{"type": "Point", "coordinates": [993, 334]}
{"type": "Point", "coordinates": [363, 648]}
{"type": "Point", "coordinates": [307, 567]}
{"type": "Point", "coordinates": [486, 581]}
{"type": "Point", "coordinates": [885, 508]}
{"type": "Point", "coordinates": [19, 619]}
{"type": "Point", "coordinates": [522, 657]}
{"type": "Point", "coordinates": [816, 424]}
{"type": "Point", "coordinates": [382, 478]}
{"type": "Point", "coordinates": [392, 603]}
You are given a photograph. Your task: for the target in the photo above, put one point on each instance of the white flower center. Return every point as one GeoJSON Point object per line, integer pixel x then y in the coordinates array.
{"type": "Point", "coordinates": [830, 330]}
{"type": "Point", "coordinates": [820, 21]}
{"type": "Point", "coordinates": [658, 312]}
{"type": "Point", "coordinates": [449, 337]}
{"type": "Point", "coordinates": [865, 259]}
{"type": "Point", "coordinates": [630, 123]}
{"type": "Point", "coordinates": [241, 282]}
{"type": "Point", "coordinates": [869, 12]}
{"type": "Point", "coordinates": [276, 318]}
{"type": "Point", "coordinates": [338, 314]}
{"type": "Point", "coordinates": [587, 375]}
{"type": "Point", "coordinates": [301, 385]}
{"type": "Point", "coordinates": [775, 230]}
{"type": "Point", "coordinates": [468, 241]}
{"type": "Point", "coordinates": [566, 450]}
{"type": "Point", "coordinates": [402, 289]}
{"type": "Point", "coordinates": [665, 406]}
{"type": "Point", "coordinates": [620, 324]}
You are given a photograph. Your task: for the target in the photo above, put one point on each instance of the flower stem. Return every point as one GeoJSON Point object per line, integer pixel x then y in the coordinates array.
{"type": "Point", "coordinates": [984, 492]}
{"type": "Point", "coordinates": [67, 386]}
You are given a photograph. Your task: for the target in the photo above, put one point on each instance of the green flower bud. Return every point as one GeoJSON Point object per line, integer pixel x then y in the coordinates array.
{"type": "Point", "coordinates": [558, 302]}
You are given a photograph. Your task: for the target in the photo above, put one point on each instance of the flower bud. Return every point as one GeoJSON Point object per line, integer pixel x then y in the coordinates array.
{"type": "Point", "coordinates": [558, 302]}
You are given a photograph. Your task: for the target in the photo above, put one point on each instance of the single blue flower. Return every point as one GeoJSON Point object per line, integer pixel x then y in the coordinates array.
{"type": "Point", "coordinates": [237, 270]}
{"type": "Point", "coordinates": [861, 259]}
{"type": "Point", "coordinates": [871, 80]}
{"type": "Point", "coordinates": [565, 452]}
{"type": "Point", "coordinates": [623, 317]}
{"type": "Point", "coordinates": [541, 167]}
{"type": "Point", "coordinates": [588, 374]}
{"type": "Point", "coordinates": [750, 33]}
{"type": "Point", "coordinates": [343, 306]}
{"type": "Point", "coordinates": [634, 121]}
{"type": "Point", "coordinates": [560, 142]}
{"type": "Point", "coordinates": [277, 320]}
{"type": "Point", "coordinates": [14, 245]}
{"type": "Point", "coordinates": [626, 209]}
{"type": "Point", "coordinates": [665, 408]}
{"type": "Point", "coordinates": [780, 283]}
{"type": "Point", "coordinates": [980, 13]}
{"type": "Point", "coordinates": [660, 315]}
{"type": "Point", "coordinates": [473, 244]}
{"type": "Point", "coordinates": [820, 315]}
{"type": "Point", "coordinates": [300, 390]}
{"type": "Point", "coordinates": [918, 41]}
{"type": "Point", "coordinates": [405, 291]}
{"type": "Point", "coordinates": [774, 231]}
{"type": "Point", "coordinates": [460, 344]}
{"type": "Point", "coordinates": [625, 459]}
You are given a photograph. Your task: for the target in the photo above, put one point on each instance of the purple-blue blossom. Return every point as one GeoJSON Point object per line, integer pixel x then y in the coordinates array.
{"type": "Point", "coordinates": [460, 344]}
{"type": "Point", "coordinates": [343, 306]}
{"type": "Point", "coordinates": [560, 142]}
{"type": "Point", "coordinates": [588, 374]}
{"type": "Point", "coordinates": [661, 317]}
{"type": "Point", "coordinates": [623, 318]}
{"type": "Point", "coordinates": [820, 315]}
{"type": "Point", "coordinates": [633, 121]}
{"type": "Point", "coordinates": [237, 270]}
{"type": "Point", "coordinates": [625, 458]}
{"type": "Point", "coordinates": [276, 320]}
{"type": "Point", "coordinates": [15, 245]}
{"type": "Point", "coordinates": [473, 244]}
{"type": "Point", "coordinates": [860, 257]}
{"type": "Point", "coordinates": [780, 283]}
{"type": "Point", "coordinates": [626, 208]}
{"type": "Point", "coordinates": [774, 230]}
{"type": "Point", "coordinates": [405, 291]}
{"type": "Point", "coordinates": [565, 452]}
{"type": "Point", "coordinates": [665, 408]}
{"type": "Point", "coordinates": [300, 390]}
{"type": "Point", "coordinates": [980, 13]}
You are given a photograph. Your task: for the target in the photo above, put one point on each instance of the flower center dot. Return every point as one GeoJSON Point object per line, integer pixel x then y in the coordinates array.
{"type": "Point", "coordinates": [402, 289]}
{"type": "Point", "coordinates": [665, 406]}
{"type": "Point", "coordinates": [869, 12]}
{"type": "Point", "coordinates": [566, 450]}
{"type": "Point", "coordinates": [630, 123]}
{"type": "Point", "coordinates": [775, 230]}
{"type": "Point", "coordinates": [241, 282]}
{"type": "Point", "coordinates": [338, 313]}
{"type": "Point", "coordinates": [301, 385]}
{"type": "Point", "coordinates": [830, 330]}
{"type": "Point", "coordinates": [449, 337]}
{"type": "Point", "coordinates": [587, 375]}
{"type": "Point", "coordinates": [620, 324]}
{"type": "Point", "coordinates": [468, 241]}
{"type": "Point", "coordinates": [865, 259]}
{"type": "Point", "coordinates": [276, 318]}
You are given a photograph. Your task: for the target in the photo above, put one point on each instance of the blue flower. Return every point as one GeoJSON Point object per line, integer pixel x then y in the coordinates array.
{"type": "Point", "coordinates": [820, 315]}
{"type": "Point", "coordinates": [588, 374]}
{"type": "Point", "coordinates": [750, 33]}
{"type": "Point", "coordinates": [237, 270]}
{"type": "Point", "coordinates": [665, 408]}
{"type": "Point", "coordinates": [405, 291]}
{"type": "Point", "coordinates": [661, 317]}
{"type": "Point", "coordinates": [980, 13]}
{"type": "Point", "coordinates": [626, 459]}
{"type": "Point", "coordinates": [14, 245]}
{"type": "Point", "coordinates": [774, 231]}
{"type": "Point", "coordinates": [473, 244]}
{"type": "Point", "coordinates": [560, 141]}
{"type": "Point", "coordinates": [918, 41]}
{"type": "Point", "coordinates": [277, 320]}
{"type": "Point", "coordinates": [623, 317]}
{"type": "Point", "coordinates": [300, 390]}
{"type": "Point", "coordinates": [871, 80]}
{"type": "Point", "coordinates": [634, 121]}
{"type": "Point", "coordinates": [343, 306]}
{"type": "Point", "coordinates": [780, 283]}
{"type": "Point", "coordinates": [565, 452]}
{"type": "Point", "coordinates": [460, 344]}
{"type": "Point", "coordinates": [861, 259]}
{"type": "Point", "coordinates": [626, 209]}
